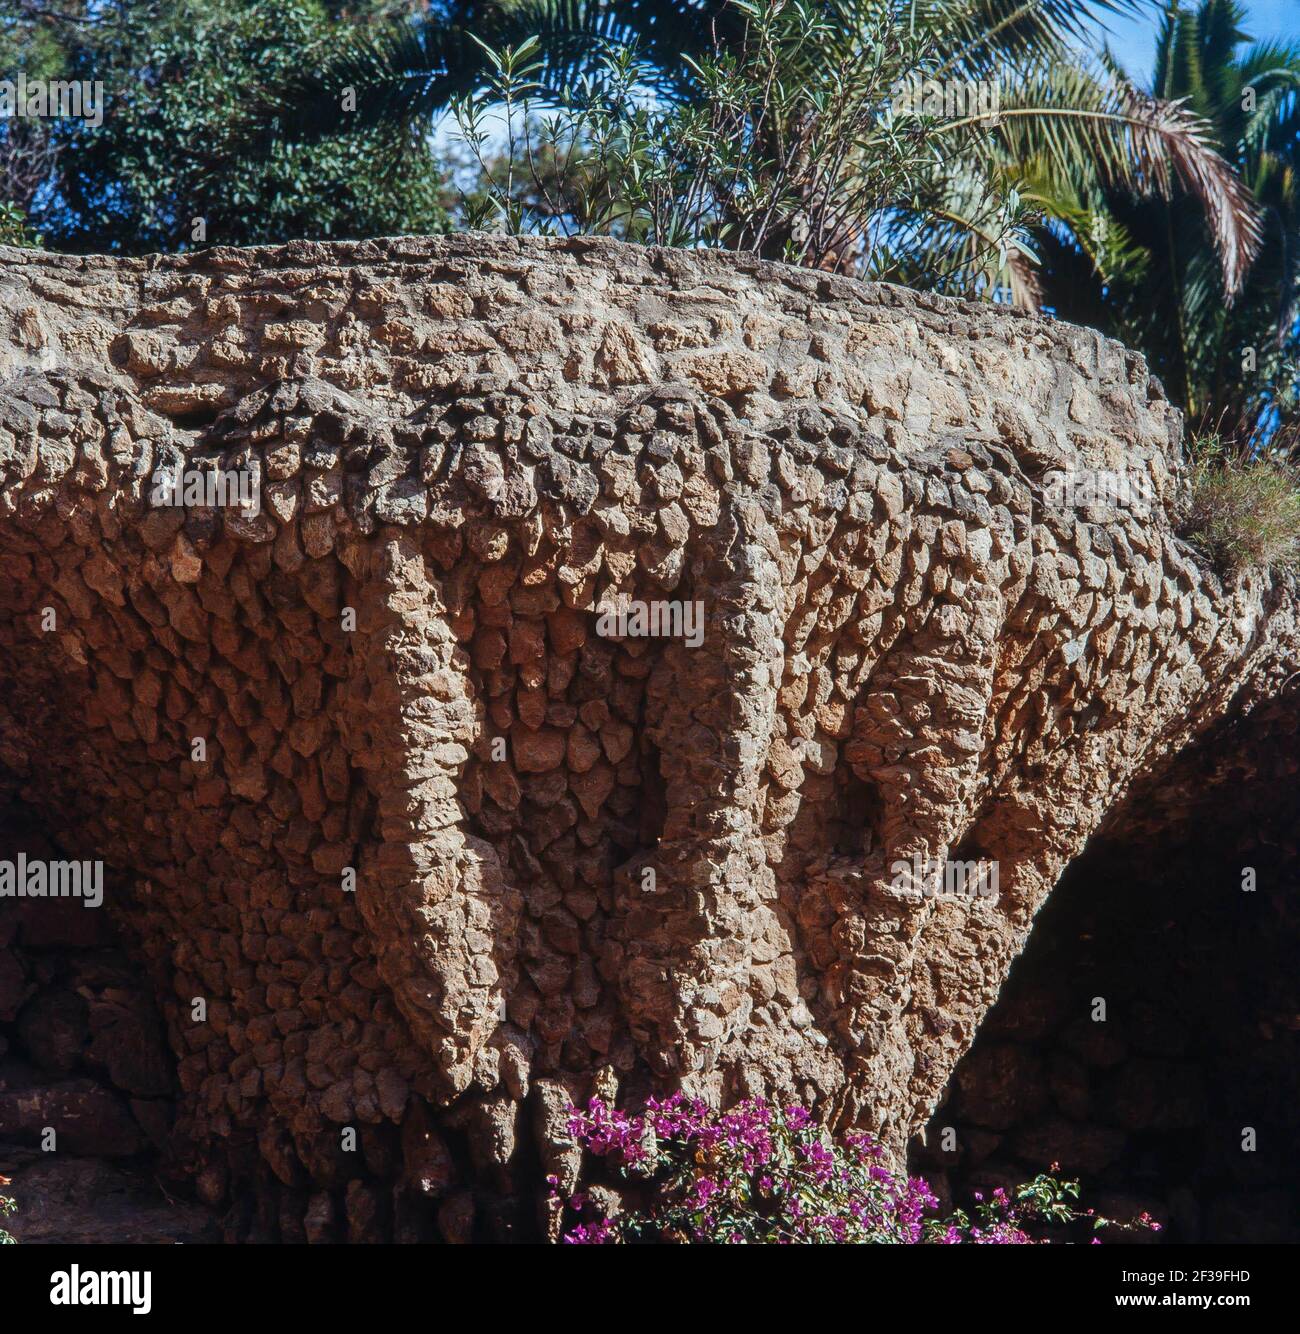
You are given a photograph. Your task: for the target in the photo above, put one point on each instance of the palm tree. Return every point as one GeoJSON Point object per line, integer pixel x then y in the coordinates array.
{"type": "Point", "coordinates": [411, 69]}
{"type": "Point", "coordinates": [1142, 268]}
{"type": "Point", "coordinates": [1057, 121]}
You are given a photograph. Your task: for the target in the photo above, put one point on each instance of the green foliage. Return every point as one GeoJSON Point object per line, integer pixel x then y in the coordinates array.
{"type": "Point", "coordinates": [1244, 514]}
{"type": "Point", "coordinates": [787, 146]}
{"type": "Point", "coordinates": [942, 204]}
{"type": "Point", "coordinates": [14, 227]}
{"type": "Point", "coordinates": [414, 68]}
{"type": "Point", "coordinates": [1142, 268]}
{"type": "Point", "coordinates": [784, 138]}
{"type": "Point", "coordinates": [186, 134]}
{"type": "Point", "coordinates": [410, 70]}
{"type": "Point", "coordinates": [25, 151]}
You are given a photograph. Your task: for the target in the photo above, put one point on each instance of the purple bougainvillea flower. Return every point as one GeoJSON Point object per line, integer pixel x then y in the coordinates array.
{"type": "Point", "coordinates": [765, 1172]}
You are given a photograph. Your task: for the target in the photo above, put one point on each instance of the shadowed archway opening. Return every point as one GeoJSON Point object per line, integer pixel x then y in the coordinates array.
{"type": "Point", "coordinates": [1148, 1039]}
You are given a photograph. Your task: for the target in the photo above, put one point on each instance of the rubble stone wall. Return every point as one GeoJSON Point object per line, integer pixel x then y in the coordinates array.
{"type": "Point", "coordinates": [436, 851]}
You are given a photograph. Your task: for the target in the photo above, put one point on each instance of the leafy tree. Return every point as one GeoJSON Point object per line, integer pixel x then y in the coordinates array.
{"type": "Point", "coordinates": [14, 227]}
{"type": "Point", "coordinates": [26, 152]}
{"type": "Point", "coordinates": [944, 228]}
{"type": "Point", "coordinates": [186, 136]}
{"type": "Point", "coordinates": [790, 157]}
{"type": "Point", "coordinates": [1142, 268]}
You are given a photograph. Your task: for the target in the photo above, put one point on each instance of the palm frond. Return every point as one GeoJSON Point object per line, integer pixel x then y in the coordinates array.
{"type": "Point", "coordinates": [983, 36]}
{"type": "Point", "coordinates": [1079, 121]}
{"type": "Point", "coordinates": [408, 70]}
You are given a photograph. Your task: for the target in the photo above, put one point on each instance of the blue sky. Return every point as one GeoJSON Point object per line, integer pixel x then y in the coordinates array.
{"type": "Point", "coordinates": [1134, 40]}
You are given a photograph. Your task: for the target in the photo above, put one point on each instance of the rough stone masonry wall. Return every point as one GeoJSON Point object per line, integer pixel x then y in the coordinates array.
{"type": "Point", "coordinates": [474, 443]}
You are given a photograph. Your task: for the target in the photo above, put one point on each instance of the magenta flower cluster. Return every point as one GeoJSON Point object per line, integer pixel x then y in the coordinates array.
{"type": "Point", "coordinates": [764, 1173]}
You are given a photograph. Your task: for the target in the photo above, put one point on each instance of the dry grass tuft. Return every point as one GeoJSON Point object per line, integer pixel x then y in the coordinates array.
{"type": "Point", "coordinates": [1244, 515]}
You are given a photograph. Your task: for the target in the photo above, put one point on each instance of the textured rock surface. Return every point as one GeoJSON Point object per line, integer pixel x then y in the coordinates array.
{"type": "Point", "coordinates": [472, 444]}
